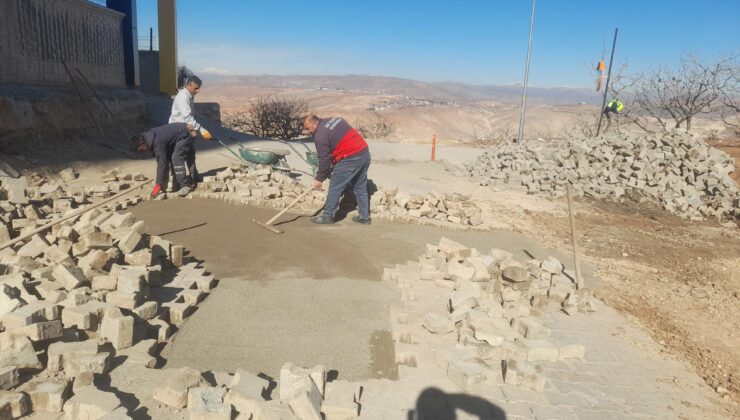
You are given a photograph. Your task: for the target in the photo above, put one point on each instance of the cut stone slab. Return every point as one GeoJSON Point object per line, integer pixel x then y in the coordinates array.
{"type": "Point", "coordinates": [42, 331]}
{"type": "Point", "coordinates": [69, 277]}
{"type": "Point", "coordinates": [59, 353]}
{"type": "Point", "coordinates": [48, 395]}
{"type": "Point", "coordinates": [515, 274]}
{"type": "Point", "coordinates": [174, 392]}
{"type": "Point", "coordinates": [17, 350]}
{"type": "Point", "coordinates": [208, 404]}
{"type": "Point", "coordinates": [342, 402]}
{"type": "Point", "coordinates": [306, 403]}
{"type": "Point", "coordinates": [17, 402]}
{"type": "Point", "coordinates": [34, 248]}
{"type": "Point", "coordinates": [89, 403]}
{"type": "Point", "coordinates": [15, 189]}
{"type": "Point", "coordinates": [117, 328]}
{"type": "Point", "coordinates": [437, 324]}
{"type": "Point", "coordinates": [8, 377]}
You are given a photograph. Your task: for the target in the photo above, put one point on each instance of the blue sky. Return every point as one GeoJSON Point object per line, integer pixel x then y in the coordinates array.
{"type": "Point", "coordinates": [473, 41]}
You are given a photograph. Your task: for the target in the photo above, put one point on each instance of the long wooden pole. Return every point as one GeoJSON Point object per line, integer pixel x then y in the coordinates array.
{"type": "Point", "coordinates": [72, 215]}
{"type": "Point", "coordinates": [87, 107]}
{"type": "Point", "coordinates": [571, 215]}
{"type": "Point", "coordinates": [110, 113]}
{"type": "Point", "coordinates": [520, 138]}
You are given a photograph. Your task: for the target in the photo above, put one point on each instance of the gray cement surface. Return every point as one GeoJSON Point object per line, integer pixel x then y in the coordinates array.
{"type": "Point", "coordinates": [310, 296]}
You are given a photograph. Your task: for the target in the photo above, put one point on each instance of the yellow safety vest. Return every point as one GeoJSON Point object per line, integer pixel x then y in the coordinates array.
{"type": "Point", "coordinates": [618, 103]}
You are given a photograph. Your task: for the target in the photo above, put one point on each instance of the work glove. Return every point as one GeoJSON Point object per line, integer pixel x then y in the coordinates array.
{"type": "Point", "coordinates": [156, 190]}
{"type": "Point", "coordinates": [205, 133]}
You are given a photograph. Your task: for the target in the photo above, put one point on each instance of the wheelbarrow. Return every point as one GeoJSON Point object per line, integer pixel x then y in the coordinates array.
{"type": "Point", "coordinates": [274, 158]}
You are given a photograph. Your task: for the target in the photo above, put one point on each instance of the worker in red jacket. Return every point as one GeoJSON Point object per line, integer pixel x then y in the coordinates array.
{"type": "Point", "coordinates": [340, 145]}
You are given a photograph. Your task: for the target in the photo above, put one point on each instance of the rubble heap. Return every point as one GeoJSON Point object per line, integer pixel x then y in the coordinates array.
{"type": "Point", "coordinates": [74, 297]}
{"type": "Point", "coordinates": [489, 315]}
{"type": "Point", "coordinates": [262, 186]}
{"type": "Point", "coordinates": [678, 171]}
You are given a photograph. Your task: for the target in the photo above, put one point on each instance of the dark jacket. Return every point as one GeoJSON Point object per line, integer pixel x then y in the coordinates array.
{"type": "Point", "coordinates": [335, 140]}
{"type": "Point", "coordinates": [161, 141]}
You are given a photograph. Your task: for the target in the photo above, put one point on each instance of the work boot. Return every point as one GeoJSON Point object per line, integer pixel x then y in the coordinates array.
{"type": "Point", "coordinates": [321, 220]}
{"type": "Point", "coordinates": [361, 221]}
{"type": "Point", "coordinates": [182, 192]}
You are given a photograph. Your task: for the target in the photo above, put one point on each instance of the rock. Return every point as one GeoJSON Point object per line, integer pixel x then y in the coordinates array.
{"type": "Point", "coordinates": [515, 274]}
{"type": "Point", "coordinates": [90, 403]}
{"type": "Point", "coordinates": [48, 395]}
{"type": "Point", "coordinates": [8, 377]}
{"type": "Point", "coordinates": [16, 404]}
{"type": "Point", "coordinates": [174, 392]}
{"type": "Point", "coordinates": [117, 328]}
{"type": "Point", "coordinates": [207, 404]}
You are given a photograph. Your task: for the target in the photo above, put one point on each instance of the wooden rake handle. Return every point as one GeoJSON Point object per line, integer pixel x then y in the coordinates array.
{"type": "Point", "coordinates": [293, 203]}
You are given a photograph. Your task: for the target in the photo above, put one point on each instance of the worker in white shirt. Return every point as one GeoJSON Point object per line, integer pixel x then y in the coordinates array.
{"type": "Point", "coordinates": [182, 112]}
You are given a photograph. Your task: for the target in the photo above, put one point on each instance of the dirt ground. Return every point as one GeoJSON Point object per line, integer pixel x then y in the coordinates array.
{"type": "Point", "coordinates": [678, 279]}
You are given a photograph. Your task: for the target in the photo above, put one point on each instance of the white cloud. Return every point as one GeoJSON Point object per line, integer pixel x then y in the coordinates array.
{"type": "Point", "coordinates": [215, 70]}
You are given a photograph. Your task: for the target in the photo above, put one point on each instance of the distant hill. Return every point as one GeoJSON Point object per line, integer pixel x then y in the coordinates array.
{"type": "Point", "coordinates": [448, 91]}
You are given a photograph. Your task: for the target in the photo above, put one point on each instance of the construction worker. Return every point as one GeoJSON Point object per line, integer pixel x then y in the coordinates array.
{"type": "Point", "coordinates": [614, 106]}
{"type": "Point", "coordinates": [170, 144]}
{"type": "Point", "coordinates": [340, 145]}
{"type": "Point", "coordinates": [182, 112]}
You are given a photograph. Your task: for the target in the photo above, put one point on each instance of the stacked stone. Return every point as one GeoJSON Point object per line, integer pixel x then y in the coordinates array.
{"type": "Point", "coordinates": [303, 394]}
{"type": "Point", "coordinates": [490, 313]}
{"type": "Point", "coordinates": [678, 171]}
{"type": "Point", "coordinates": [74, 297]}
{"type": "Point", "coordinates": [454, 208]}
{"type": "Point", "coordinates": [262, 186]}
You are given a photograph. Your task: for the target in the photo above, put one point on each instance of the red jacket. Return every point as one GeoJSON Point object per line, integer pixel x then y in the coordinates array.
{"type": "Point", "coordinates": [335, 140]}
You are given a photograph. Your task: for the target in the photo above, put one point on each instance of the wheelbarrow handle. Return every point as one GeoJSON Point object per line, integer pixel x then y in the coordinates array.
{"type": "Point", "coordinates": [229, 149]}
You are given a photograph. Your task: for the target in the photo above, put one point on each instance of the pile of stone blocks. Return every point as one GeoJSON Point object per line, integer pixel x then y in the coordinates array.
{"type": "Point", "coordinates": [75, 297]}
{"type": "Point", "coordinates": [488, 325]}
{"type": "Point", "coordinates": [301, 393]}
{"type": "Point", "coordinates": [677, 171]}
{"type": "Point", "coordinates": [262, 186]}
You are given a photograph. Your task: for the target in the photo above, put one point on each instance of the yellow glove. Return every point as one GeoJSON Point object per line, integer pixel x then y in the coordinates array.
{"type": "Point", "coordinates": [205, 133]}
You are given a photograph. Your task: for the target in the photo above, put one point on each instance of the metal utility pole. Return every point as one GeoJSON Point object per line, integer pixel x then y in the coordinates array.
{"type": "Point", "coordinates": [608, 78]}
{"type": "Point", "coordinates": [526, 77]}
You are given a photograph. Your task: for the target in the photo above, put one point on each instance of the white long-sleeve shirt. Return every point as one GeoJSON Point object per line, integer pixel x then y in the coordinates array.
{"type": "Point", "coordinates": [182, 109]}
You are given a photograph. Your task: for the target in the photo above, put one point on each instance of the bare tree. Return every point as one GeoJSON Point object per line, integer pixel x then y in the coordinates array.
{"type": "Point", "coordinates": [674, 98]}
{"type": "Point", "coordinates": [730, 110]}
{"type": "Point", "coordinates": [375, 127]}
{"type": "Point", "coordinates": [270, 117]}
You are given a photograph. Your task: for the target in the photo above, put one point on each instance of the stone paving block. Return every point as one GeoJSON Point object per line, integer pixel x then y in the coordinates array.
{"type": "Point", "coordinates": [47, 395]}
{"type": "Point", "coordinates": [123, 299]}
{"type": "Point", "coordinates": [85, 317]}
{"type": "Point", "coordinates": [34, 248]}
{"type": "Point", "coordinates": [117, 328]}
{"type": "Point", "coordinates": [246, 392]}
{"type": "Point", "coordinates": [15, 188]}
{"type": "Point", "coordinates": [104, 282]}
{"type": "Point", "coordinates": [42, 331]}
{"type": "Point", "coordinates": [17, 350]}
{"type": "Point", "coordinates": [437, 324]}
{"type": "Point", "coordinates": [177, 312]}
{"type": "Point", "coordinates": [523, 375]}
{"type": "Point", "coordinates": [572, 351]}
{"type": "Point", "coordinates": [469, 376]}
{"type": "Point", "coordinates": [177, 255]}
{"type": "Point", "coordinates": [97, 240]}
{"type": "Point", "coordinates": [8, 377]}
{"type": "Point", "coordinates": [174, 392]}
{"type": "Point", "coordinates": [133, 280]}
{"type": "Point", "coordinates": [94, 260]}
{"type": "Point", "coordinates": [306, 402]}
{"type": "Point", "coordinates": [147, 310]}
{"type": "Point", "coordinates": [90, 403]}
{"type": "Point", "coordinates": [81, 364]}
{"type": "Point", "coordinates": [341, 402]}
{"type": "Point", "coordinates": [140, 257]}
{"type": "Point", "coordinates": [60, 352]}
{"type": "Point", "coordinates": [17, 404]}
{"type": "Point", "coordinates": [130, 242]}
{"type": "Point", "coordinates": [69, 277]}
{"type": "Point", "coordinates": [207, 404]}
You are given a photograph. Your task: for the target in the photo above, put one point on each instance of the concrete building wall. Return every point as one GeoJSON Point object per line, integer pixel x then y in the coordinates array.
{"type": "Point", "coordinates": [36, 35]}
